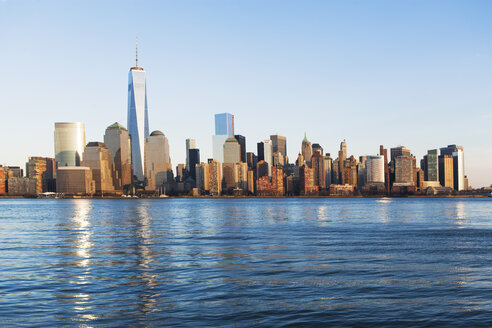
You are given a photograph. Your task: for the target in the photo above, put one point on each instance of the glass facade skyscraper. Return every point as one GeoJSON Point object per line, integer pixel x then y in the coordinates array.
{"type": "Point", "coordinates": [224, 124]}
{"type": "Point", "coordinates": [224, 129]}
{"type": "Point", "coordinates": [138, 118]}
{"type": "Point", "coordinates": [69, 143]}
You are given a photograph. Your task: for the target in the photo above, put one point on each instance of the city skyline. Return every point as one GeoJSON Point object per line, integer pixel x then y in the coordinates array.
{"type": "Point", "coordinates": [445, 119]}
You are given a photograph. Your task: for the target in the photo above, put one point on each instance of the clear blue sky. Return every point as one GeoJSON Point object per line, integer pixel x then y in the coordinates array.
{"type": "Point", "coordinates": [415, 73]}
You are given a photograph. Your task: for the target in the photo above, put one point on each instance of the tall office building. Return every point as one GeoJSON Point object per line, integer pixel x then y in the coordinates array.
{"type": "Point", "coordinates": [458, 165]}
{"type": "Point", "coordinates": [361, 172]}
{"type": "Point", "coordinates": [69, 143]}
{"type": "Point", "coordinates": [459, 169]}
{"type": "Point", "coordinates": [307, 150]}
{"type": "Point", "coordinates": [306, 180]}
{"type": "Point", "coordinates": [117, 139]}
{"type": "Point", "coordinates": [404, 171]}
{"type": "Point", "coordinates": [224, 129]}
{"type": "Point", "coordinates": [202, 176]}
{"type": "Point", "coordinates": [215, 177]}
{"type": "Point", "coordinates": [138, 117]}
{"type": "Point", "coordinates": [268, 153]}
{"type": "Point", "coordinates": [342, 156]}
{"type": "Point", "coordinates": [328, 169]}
{"type": "Point", "coordinates": [446, 171]}
{"type": "Point", "coordinates": [242, 143]}
{"type": "Point", "coordinates": [251, 159]}
{"type": "Point", "coordinates": [399, 151]}
{"type": "Point", "coordinates": [375, 170]}
{"type": "Point", "coordinates": [43, 170]}
{"type": "Point", "coordinates": [224, 124]}
{"type": "Point", "coordinates": [232, 151]}
{"type": "Point", "coordinates": [350, 171]}
{"type": "Point", "coordinates": [318, 166]}
{"type": "Point", "coordinates": [343, 150]}
{"type": "Point", "coordinates": [97, 157]}
{"type": "Point", "coordinates": [190, 144]}
{"type": "Point", "coordinates": [260, 151]}
{"type": "Point", "coordinates": [384, 152]}
{"type": "Point", "coordinates": [279, 144]}
{"type": "Point", "coordinates": [158, 168]}
{"type": "Point", "coordinates": [431, 165]}
{"type": "Point", "coordinates": [194, 159]}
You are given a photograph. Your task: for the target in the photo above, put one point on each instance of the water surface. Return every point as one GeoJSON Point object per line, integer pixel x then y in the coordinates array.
{"type": "Point", "coordinates": [246, 262]}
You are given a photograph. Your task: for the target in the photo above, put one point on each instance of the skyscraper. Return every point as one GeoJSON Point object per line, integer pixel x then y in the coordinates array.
{"type": "Point", "coordinates": [384, 152]}
{"type": "Point", "coordinates": [97, 157]}
{"type": "Point", "coordinates": [194, 158]}
{"type": "Point", "coordinates": [342, 156]}
{"type": "Point", "coordinates": [261, 151]}
{"type": "Point", "coordinates": [404, 170]}
{"type": "Point", "coordinates": [42, 169]}
{"type": "Point", "coordinates": [190, 144]}
{"type": "Point", "coordinates": [117, 139]}
{"type": "Point", "coordinates": [242, 143]}
{"type": "Point", "coordinates": [215, 177]}
{"type": "Point", "coordinates": [224, 129]}
{"type": "Point", "coordinates": [318, 166]}
{"type": "Point", "coordinates": [138, 117]}
{"type": "Point", "coordinates": [446, 169]}
{"type": "Point", "coordinates": [399, 151]}
{"type": "Point", "coordinates": [307, 150]}
{"type": "Point", "coordinates": [224, 124]}
{"type": "Point", "coordinates": [343, 150]}
{"type": "Point", "coordinates": [232, 151]}
{"type": "Point", "coordinates": [279, 144]}
{"type": "Point", "coordinates": [268, 152]}
{"type": "Point", "coordinates": [202, 176]}
{"type": "Point", "coordinates": [431, 163]}
{"type": "Point", "coordinates": [328, 170]}
{"type": "Point", "coordinates": [458, 165]}
{"type": "Point", "coordinates": [375, 169]}
{"type": "Point", "coordinates": [69, 143]}
{"type": "Point", "coordinates": [158, 168]}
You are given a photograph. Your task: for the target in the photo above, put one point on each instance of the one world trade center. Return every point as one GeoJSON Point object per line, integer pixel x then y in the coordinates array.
{"type": "Point", "coordinates": [138, 117]}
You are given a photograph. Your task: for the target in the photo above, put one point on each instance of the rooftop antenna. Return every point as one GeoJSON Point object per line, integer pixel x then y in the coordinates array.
{"type": "Point", "coordinates": [136, 52]}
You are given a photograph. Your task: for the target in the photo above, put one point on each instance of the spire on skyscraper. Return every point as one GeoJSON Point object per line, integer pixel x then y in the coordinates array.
{"type": "Point", "coordinates": [136, 51]}
{"type": "Point", "coordinates": [305, 137]}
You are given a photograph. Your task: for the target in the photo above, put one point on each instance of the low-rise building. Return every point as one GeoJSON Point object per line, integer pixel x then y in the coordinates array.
{"type": "Point", "coordinates": [75, 180]}
{"type": "Point", "coordinates": [342, 190]}
{"type": "Point", "coordinates": [3, 184]}
{"type": "Point", "coordinates": [21, 186]}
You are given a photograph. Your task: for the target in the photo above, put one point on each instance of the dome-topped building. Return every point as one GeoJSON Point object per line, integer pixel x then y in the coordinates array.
{"type": "Point", "coordinates": [158, 169]}
{"type": "Point", "coordinates": [157, 133]}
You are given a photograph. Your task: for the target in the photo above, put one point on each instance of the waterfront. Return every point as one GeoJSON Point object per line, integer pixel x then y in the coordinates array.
{"type": "Point", "coordinates": [246, 262]}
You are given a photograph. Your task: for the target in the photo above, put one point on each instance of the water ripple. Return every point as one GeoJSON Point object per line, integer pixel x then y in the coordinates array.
{"type": "Point", "coordinates": [246, 262]}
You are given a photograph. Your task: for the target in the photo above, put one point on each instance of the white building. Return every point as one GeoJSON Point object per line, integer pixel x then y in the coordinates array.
{"type": "Point", "coordinates": [375, 169]}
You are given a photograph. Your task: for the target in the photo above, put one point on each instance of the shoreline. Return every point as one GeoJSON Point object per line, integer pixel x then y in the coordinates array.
{"type": "Point", "coordinates": [243, 197]}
